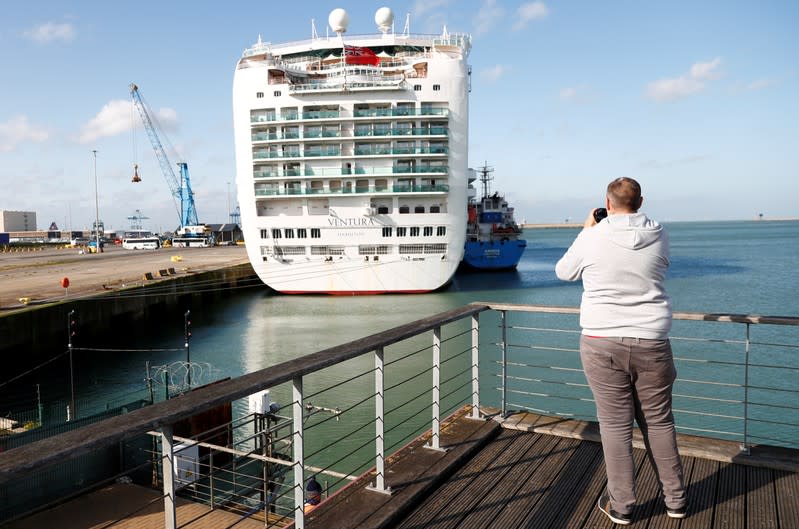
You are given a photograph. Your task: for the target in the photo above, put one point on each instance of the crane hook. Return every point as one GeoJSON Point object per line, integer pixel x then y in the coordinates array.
{"type": "Point", "coordinates": [136, 177]}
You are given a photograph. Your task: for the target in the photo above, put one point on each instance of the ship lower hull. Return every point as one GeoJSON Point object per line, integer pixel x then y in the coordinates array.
{"type": "Point", "coordinates": [493, 255]}
{"type": "Point", "coordinates": [351, 277]}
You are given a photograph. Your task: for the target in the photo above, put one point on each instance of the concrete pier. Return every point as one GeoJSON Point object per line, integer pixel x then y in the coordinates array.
{"type": "Point", "coordinates": [109, 290]}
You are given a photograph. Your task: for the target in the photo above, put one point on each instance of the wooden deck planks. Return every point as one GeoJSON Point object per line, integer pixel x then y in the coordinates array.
{"type": "Point", "coordinates": [787, 496]}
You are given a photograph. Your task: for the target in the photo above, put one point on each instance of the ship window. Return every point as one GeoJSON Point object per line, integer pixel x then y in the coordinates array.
{"type": "Point", "coordinates": [387, 232]}
{"type": "Point", "coordinates": [428, 231]}
{"type": "Point", "coordinates": [414, 231]}
{"type": "Point", "coordinates": [383, 210]}
{"type": "Point", "coordinates": [405, 209]}
{"type": "Point", "coordinates": [277, 93]}
{"type": "Point", "coordinates": [418, 209]}
{"type": "Point", "coordinates": [264, 234]}
{"type": "Point", "coordinates": [441, 231]}
{"type": "Point", "coordinates": [417, 87]}
{"type": "Point", "coordinates": [289, 233]}
{"type": "Point", "coordinates": [316, 233]}
{"type": "Point", "coordinates": [435, 209]}
{"type": "Point", "coordinates": [302, 233]}
{"type": "Point", "coordinates": [436, 87]}
{"type": "Point", "coordinates": [275, 233]}
{"type": "Point", "coordinates": [401, 232]}
{"type": "Point", "coordinates": [259, 94]}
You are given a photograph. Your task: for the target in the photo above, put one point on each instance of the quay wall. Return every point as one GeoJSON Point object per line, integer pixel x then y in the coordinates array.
{"type": "Point", "coordinates": [40, 328]}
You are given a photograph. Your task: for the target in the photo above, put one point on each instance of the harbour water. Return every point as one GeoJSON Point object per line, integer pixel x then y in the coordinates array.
{"type": "Point", "coordinates": [731, 267]}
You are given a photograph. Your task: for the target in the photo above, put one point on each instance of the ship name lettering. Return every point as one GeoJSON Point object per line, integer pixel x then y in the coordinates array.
{"type": "Point", "coordinates": [353, 222]}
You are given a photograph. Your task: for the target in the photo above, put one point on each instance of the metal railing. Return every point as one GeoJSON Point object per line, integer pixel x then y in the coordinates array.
{"type": "Point", "coordinates": [363, 400]}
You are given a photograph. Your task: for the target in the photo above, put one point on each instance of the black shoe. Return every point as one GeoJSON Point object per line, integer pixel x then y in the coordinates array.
{"type": "Point", "coordinates": [615, 517]}
{"type": "Point", "coordinates": [682, 512]}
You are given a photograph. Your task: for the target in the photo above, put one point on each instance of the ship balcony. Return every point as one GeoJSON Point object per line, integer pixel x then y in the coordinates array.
{"type": "Point", "coordinates": [321, 134]}
{"type": "Point", "coordinates": [419, 131]}
{"type": "Point", "coordinates": [379, 151]}
{"type": "Point", "coordinates": [401, 169]}
{"type": "Point", "coordinates": [399, 112]}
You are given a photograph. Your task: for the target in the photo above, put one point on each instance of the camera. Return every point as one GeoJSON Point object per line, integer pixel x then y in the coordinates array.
{"type": "Point", "coordinates": [600, 213]}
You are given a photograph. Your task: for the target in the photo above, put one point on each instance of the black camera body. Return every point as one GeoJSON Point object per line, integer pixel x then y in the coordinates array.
{"type": "Point", "coordinates": [600, 213]}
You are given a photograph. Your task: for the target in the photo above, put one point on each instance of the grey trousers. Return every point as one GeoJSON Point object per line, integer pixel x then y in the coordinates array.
{"type": "Point", "coordinates": [632, 378]}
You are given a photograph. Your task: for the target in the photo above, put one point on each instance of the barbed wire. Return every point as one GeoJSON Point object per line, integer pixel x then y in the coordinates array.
{"type": "Point", "coordinates": [181, 376]}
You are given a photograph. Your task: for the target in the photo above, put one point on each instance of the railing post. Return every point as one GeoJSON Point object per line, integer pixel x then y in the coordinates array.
{"type": "Point", "coordinates": [380, 453]}
{"type": "Point", "coordinates": [297, 449]}
{"type": "Point", "coordinates": [435, 438]}
{"type": "Point", "coordinates": [476, 366]}
{"type": "Point", "coordinates": [745, 445]}
{"type": "Point", "coordinates": [211, 477]}
{"type": "Point", "coordinates": [503, 318]}
{"type": "Point", "coordinates": [167, 473]}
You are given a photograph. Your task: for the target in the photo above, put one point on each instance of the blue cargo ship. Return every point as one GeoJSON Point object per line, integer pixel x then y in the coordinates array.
{"type": "Point", "coordinates": [493, 238]}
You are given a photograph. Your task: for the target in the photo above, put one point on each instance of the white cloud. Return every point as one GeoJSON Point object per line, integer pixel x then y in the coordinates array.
{"type": "Point", "coordinates": [676, 88]}
{"type": "Point", "coordinates": [530, 11]}
{"type": "Point", "coordinates": [17, 130]}
{"type": "Point", "coordinates": [51, 31]}
{"type": "Point", "coordinates": [706, 71]}
{"type": "Point", "coordinates": [760, 84]}
{"type": "Point", "coordinates": [421, 7]}
{"type": "Point", "coordinates": [493, 74]}
{"type": "Point", "coordinates": [115, 118]}
{"type": "Point", "coordinates": [487, 17]}
{"type": "Point", "coordinates": [576, 94]}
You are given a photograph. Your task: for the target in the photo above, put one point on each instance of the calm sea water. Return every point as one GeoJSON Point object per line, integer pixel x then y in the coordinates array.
{"type": "Point", "coordinates": [733, 267]}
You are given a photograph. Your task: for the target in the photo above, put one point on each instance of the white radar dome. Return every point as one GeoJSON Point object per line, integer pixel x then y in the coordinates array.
{"type": "Point", "coordinates": [384, 18]}
{"type": "Point", "coordinates": [338, 20]}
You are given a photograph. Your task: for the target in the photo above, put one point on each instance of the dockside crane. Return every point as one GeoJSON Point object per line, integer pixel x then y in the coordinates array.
{"type": "Point", "coordinates": [179, 186]}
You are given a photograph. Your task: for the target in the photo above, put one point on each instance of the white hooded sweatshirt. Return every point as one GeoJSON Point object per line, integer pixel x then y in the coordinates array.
{"type": "Point", "coordinates": [622, 262]}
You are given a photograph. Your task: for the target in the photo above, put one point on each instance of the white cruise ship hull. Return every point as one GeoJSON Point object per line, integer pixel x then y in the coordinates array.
{"type": "Point", "coordinates": [352, 177]}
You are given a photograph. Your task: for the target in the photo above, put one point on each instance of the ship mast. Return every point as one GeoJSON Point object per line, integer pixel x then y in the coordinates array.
{"type": "Point", "coordinates": [486, 178]}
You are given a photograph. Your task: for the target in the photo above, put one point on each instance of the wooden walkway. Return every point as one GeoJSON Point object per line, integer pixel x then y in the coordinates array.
{"type": "Point", "coordinates": [535, 472]}
{"type": "Point", "coordinates": [538, 481]}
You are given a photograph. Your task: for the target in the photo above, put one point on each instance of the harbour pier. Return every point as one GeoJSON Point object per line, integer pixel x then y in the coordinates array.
{"type": "Point", "coordinates": [110, 290]}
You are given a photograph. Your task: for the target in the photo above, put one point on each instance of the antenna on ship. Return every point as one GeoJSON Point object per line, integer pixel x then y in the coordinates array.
{"type": "Point", "coordinates": [384, 19]}
{"type": "Point", "coordinates": [485, 178]}
{"type": "Point", "coordinates": [406, 31]}
{"type": "Point", "coordinates": [314, 35]}
{"type": "Point", "coordinates": [338, 21]}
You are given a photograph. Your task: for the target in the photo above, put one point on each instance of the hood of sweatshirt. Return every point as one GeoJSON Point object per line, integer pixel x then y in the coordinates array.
{"type": "Point", "coordinates": [633, 231]}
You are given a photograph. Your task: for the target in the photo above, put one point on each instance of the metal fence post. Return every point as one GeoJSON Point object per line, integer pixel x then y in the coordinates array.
{"type": "Point", "coordinates": [503, 319]}
{"type": "Point", "coordinates": [745, 445]}
{"type": "Point", "coordinates": [435, 438]}
{"type": "Point", "coordinates": [476, 366]}
{"type": "Point", "coordinates": [167, 464]}
{"type": "Point", "coordinates": [380, 452]}
{"type": "Point", "coordinates": [297, 449]}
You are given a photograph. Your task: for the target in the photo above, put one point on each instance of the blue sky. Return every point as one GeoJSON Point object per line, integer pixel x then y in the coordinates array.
{"type": "Point", "coordinates": [697, 100]}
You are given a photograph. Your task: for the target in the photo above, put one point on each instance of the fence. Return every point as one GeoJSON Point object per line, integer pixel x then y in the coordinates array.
{"type": "Point", "coordinates": [350, 406]}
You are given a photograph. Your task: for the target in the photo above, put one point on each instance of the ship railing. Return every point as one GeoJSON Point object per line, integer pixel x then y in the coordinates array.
{"type": "Point", "coordinates": [363, 400]}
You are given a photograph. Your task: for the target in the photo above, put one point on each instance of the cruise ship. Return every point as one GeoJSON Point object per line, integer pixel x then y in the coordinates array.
{"type": "Point", "coordinates": [351, 158]}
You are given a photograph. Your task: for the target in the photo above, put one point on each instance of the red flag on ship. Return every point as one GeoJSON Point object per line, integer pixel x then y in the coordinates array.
{"type": "Point", "coordinates": [358, 55]}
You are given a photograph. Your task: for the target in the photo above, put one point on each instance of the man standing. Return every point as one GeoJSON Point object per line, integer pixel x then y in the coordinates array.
{"type": "Point", "coordinates": [625, 315]}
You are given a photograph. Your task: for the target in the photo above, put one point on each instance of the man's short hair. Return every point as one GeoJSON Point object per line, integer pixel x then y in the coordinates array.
{"type": "Point", "coordinates": [625, 194]}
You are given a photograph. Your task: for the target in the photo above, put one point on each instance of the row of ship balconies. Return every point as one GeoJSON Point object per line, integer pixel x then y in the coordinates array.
{"type": "Point", "coordinates": [293, 115]}
{"type": "Point", "coordinates": [345, 171]}
{"type": "Point", "coordinates": [361, 150]}
{"type": "Point", "coordinates": [296, 188]}
{"type": "Point", "coordinates": [358, 132]}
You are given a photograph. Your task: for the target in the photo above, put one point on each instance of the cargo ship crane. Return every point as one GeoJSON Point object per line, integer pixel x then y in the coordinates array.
{"type": "Point", "coordinates": [180, 188]}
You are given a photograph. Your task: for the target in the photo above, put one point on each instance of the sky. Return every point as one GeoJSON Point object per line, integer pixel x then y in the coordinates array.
{"type": "Point", "coordinates": [697, 100]}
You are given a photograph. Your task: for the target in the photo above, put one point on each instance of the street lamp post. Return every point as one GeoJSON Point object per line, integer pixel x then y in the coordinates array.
{"type": "Point", "coordinates": [96, 208]}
